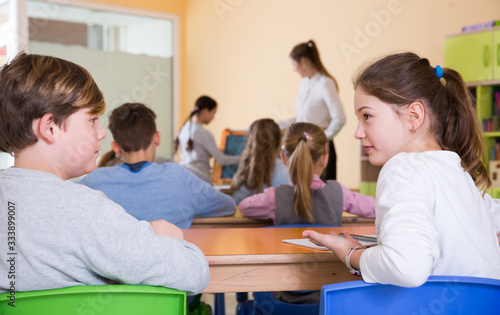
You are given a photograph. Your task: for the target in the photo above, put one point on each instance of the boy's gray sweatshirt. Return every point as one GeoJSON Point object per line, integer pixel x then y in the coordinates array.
{"type": "Point", "coordinates": [56, 233]}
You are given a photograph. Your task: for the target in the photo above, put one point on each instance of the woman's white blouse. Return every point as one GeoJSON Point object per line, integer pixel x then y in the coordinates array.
{"type": "Point", "coordinates": [318, 103]}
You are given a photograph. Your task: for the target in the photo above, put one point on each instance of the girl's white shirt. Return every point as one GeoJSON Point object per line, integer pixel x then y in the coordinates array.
{"type": "Point", "coordinates": [431, 219]}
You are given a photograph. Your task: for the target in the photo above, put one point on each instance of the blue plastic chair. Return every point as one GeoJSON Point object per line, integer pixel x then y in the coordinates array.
{"type": "Point", "coordinates": [439, 295]}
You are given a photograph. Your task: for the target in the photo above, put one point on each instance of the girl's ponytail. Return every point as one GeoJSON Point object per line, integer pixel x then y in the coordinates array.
{"type": "Point", "coordinates": [303, 146]}
{"type": "Point", "coordinates": [301, 174]}
{"type": "Point", "coordinates": [190, 141]}
{"type": "Point", "coordinates": [461, 131]}
{"type": "Point", "coordinates": [108, 159]}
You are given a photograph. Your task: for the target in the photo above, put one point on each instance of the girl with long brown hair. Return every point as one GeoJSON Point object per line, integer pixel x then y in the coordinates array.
{"type": "Point", "coordinates": [309, 199]}
{"type": "Point", "coordinates": [260, 166]}
{"type": "Point", "coordinates": [433, 214]}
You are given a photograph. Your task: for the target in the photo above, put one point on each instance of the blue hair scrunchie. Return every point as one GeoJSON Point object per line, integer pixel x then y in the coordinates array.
{"type": "Point", "coordinates": [439, 72]}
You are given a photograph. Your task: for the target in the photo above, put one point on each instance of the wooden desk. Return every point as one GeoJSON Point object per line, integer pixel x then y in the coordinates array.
{"type": "Point", "coordinates": [251, 260]}
{"type": "Point", "coordinates": [351, 219]}
{"type": "Point", "coordinates": [239, 221]}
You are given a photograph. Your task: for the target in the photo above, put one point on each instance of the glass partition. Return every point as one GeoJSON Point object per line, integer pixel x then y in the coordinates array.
{"type": "Point", "coordinates": [5, 30]}
{"type": "Point", "coordinates": [130, 53]}
{"type": "Point", "coordinates": [130, 56]}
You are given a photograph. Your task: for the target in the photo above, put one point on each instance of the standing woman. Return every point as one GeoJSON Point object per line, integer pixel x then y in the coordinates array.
{"type": "Point", "coordinates": [318, 101]}
{"type": "Point", "coordinates": [197, 144]}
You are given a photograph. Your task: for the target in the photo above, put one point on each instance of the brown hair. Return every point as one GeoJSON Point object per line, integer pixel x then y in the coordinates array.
{"type": "Point", "coordinates": [109, 159]}
{"type": "Point", "coordinates": [401, 79]}
{"type": "Point", "coordinates": [132, 126]}
{"type": "Point", "coordinates": [310, 51]}
{"type": "Point", "coordinates": [304, 144]}
{"type": "Point", "coordinates": [201, 103]}
{"type": "Point", "coordinates": [34, 85]}
{"type": "Point", "coordinates": [259, 156]}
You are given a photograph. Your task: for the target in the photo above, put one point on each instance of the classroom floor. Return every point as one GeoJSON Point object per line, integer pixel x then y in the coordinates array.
{"type": "Point", "coordinates": [230, 302]}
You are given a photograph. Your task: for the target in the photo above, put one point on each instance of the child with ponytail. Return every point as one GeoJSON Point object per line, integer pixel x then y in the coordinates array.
{"type": "Point", "coordinates": [260, 166]}
{"type": "Point", "coordinates": [433, 214]}
{"type": "Point", "coordinates": [309, 199]}
{"type": "Point", "coordinates": [197, 144]}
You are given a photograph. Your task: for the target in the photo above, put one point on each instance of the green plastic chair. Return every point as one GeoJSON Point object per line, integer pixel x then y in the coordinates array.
{"type": "Point", "coordinates": [100, 299]}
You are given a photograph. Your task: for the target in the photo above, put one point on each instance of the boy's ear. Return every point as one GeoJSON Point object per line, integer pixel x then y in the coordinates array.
{"type": "Point", "coordinates": [116, 148]}
{"type": "Point", "coordinates": [416, 111]}
{"type": "Point", "coordinates": [44, 128]}
{"type": "Point", "coordinates": [283, 159]}
{"type": "Point", "coordinates": [156, 138]}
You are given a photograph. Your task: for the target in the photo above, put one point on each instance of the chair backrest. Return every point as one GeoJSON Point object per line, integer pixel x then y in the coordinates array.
{"type": "Point", "coordinates": [439, 295]}
{"type": "Point", "coordinates": [102, 299]}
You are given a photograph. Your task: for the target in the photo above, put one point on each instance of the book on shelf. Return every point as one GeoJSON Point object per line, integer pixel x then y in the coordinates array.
{"type": "Point", "coordinates": [480, 26]}
{"type": "Point", "coordinates": [495, 151]}
{"type": "Point", "coordinates": [488, 125]}
{"type": "Point", "coordinates": [497, 101]}
{"type": "Point", "coordinates": [493, 123]}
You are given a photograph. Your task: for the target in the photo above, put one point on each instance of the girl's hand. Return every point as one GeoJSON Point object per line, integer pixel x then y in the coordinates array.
{"type": "Point", "coordinates": [339, 245]}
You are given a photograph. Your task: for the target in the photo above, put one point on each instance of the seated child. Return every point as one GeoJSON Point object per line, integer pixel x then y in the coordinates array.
{"type": "Point", "coordinates": [197, 145]}
{"type": "Point", "coordinates": [150, 191]}
{"type": "Point", "coordinates": [67, 234]}
{"type": "Point", "coordinates": [434, 216]}
{"type": "Point", "coordinates": [308, 199]}
{"type": "Point", "coordinates": [260, 166]}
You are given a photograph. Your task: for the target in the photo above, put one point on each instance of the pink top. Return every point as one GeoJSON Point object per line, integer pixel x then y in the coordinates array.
{"type": "Point", "coordinates": [263, 206]}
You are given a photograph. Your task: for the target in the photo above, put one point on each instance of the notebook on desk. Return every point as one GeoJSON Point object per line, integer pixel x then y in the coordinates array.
{"type": "Point", "coordinates": [365, 240]}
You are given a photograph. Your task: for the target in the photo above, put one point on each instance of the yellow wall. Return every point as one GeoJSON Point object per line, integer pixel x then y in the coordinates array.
{"type": "Point", "coordinates": [237, 52]}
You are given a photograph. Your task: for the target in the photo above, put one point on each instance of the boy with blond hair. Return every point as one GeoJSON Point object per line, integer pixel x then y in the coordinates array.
{"type": "Point", "coordinates": [60, 233]}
